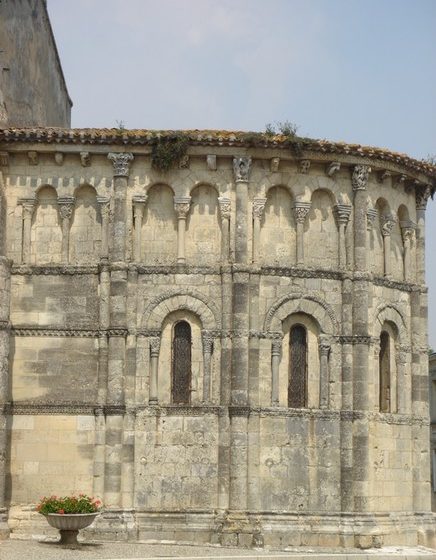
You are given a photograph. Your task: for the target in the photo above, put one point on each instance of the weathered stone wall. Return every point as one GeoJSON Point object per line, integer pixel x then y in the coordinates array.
{"type": "Point", "coordinates": [32, 85]}
{"type": "Point", "coordinates": [110, 255]}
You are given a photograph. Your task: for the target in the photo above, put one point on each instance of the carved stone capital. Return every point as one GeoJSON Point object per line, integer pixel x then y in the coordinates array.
{"type": "Point", "coordinates": [85, 159]}
{"type": "Point", "coordinates": [103, 202]}
{"type": "Point", "coordinates": [360, 177]}
{"type": "Point", "coordinates": [241, 168]}
{"type": "Point", "coordinates": [121, 163]}
{"type": "Point", "coordinates": [407, 230]}
{"type": "Point", "coordinates": [274, 164]}
{"type": "Point", "coordinates": [324, 348]}
{"type": "Point", "coordinates": [66, 206]}
{"type": "Point", "coordinates": [304, 166]}
{"type": "Point", "coordinates": [258, 207]}
{"type": "Point", "coordinates": [301, 209]}
{"type": "Point", "coordinates": [387, 225]}
{"type": "Point", "coordinates": [154, 346]}
{"type": "Point", "coordinates": [342, 213]}
{"type": "Point", "coordinates": [371, 216]}
{"type": "Point", "coordinates": [181, 206]}
{"type": "Point", "coordinates": [207, 339]}
{"type": "Point", "coordinates": [225, 207]}
{"type": "Point", "coordinates": [28, 205]}
{"type": "Point", "coordinates": [422, 194]}
{"type": "Point", "coordinates": [276, 347]}
{"type": "Point", "coordinates": [333, 168]}
{"type": "Point", "coordinates": [139, 201]}
{"type": "Point", "coordinates": [33, 157]}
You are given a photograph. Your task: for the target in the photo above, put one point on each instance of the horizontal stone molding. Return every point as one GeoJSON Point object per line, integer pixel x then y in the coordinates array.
{"type": "Point", "coordinates": [354, 339]}
{"type": "Point", "coordinates": [56, 270]}
{"type": "Point", "coordinates": [54, 331]}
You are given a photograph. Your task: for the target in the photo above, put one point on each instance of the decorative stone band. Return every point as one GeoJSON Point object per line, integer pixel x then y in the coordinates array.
{"type": "Point", "coordinates": [241, 168]}
{"type": "Point", "coordinates": [121, 163]}
{"type": "Point", "coordinates": [55, 270]}
{"type": "Point", "coordinates": [360, 177]}
{"type": "Point", "coordinates": [354, 339]}
{"type": "Point", "coordinates": [66, 332]}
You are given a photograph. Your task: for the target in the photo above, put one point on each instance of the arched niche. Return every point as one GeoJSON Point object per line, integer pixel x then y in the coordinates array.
{"type": "Point", "coordinates": [321, 237]}
{"type": "Point", "coordinates": [203, 233]}
{"type": "Point", "coordinates": [85, 231]}
{"type": "Point", "coordinates": [46, 232]}
{"type": "Point", "coordinates": [277, 234]}
{"type": "Point", "coordinates": [377, 260]}
{"type": "Point", "coordinates": [159, 227]}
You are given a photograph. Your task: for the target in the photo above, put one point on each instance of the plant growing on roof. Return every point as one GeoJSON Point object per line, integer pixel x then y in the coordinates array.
{"type": "Point", "coordinates": [168, 151]}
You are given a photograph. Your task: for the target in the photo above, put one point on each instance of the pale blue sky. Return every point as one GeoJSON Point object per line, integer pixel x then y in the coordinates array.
{"type": "Point", "coordinates": [356, 70]}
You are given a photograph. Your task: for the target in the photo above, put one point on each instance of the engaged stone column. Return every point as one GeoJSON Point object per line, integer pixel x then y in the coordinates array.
{"type": "Point", "coordinates": [371, 216]}
{"type": "Point", "coordinates": [258, 210]}
{"type": "Point", "coordinates": [207, 339]}
{"type": "Point", "coordinates": [28, 205]}
{"type": "Point", "coordinates": [181, 206]}
{"type": "Point", "coordinates": [138, 214]}
{"type": "Point", "coordinates": [324, 351]}
{"type": "Point", "coordinates": [422, 195]}
{"type": "Point", "coordinates": [121, 162]}
{"type": "Point", "coordinates": [386, 227]}
{"type": "Point", "coordinates": [66, 208]}
{"type": "Point", "coordinates": [342, 213]}
{"type": "Point", "coordinates": [154, 362]}
{"type": "Point", "coordinates": [276, 352]}
{"type": "Point", "coordinates": [360, 426]}
{"type": "Point", "coordinates": [241, 170]}
{"type": "Point", "coordinates": [408, 232]}
{"type": "Point", "coordinates": [225, 208]}
{"type": "Point", "coordinates": [5, 295]}
{"type": "Point", "coordinates": [103, 202]}
{"type": "Point", "coordinates": [301, 209]}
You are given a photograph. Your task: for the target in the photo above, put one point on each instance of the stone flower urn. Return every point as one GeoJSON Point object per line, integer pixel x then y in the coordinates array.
{"type": "Point", "coordinates": [69, 525]}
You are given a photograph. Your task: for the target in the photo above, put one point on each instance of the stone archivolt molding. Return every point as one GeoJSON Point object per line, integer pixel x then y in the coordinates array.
{"type": "Point", "coordinates": [301, 303]}
{"type": "Point", "coordinates": [393, 314]}
{"type": "Point", "coordinates": [191, 300]}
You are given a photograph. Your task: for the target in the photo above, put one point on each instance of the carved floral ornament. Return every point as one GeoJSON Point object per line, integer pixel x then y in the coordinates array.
{"type": "Point", "coordinates": [182, 205]}
{"type": "Point", "coordinates": [258, 207]}
{"type": "Point", "coordinates": [301, 209]}
{"type": "Point", "coordinates": [242, 168]}
{"type": "Point", "coordinates": [66, 207]}
{"type": "Point", "coordinates": [387, 225]}
{"type": "Point", "coordinates": [121, 163]}
{"type": "Point", "coordinates": [225, 207]}
{"type": "Point", "coordinates": [360, 177]}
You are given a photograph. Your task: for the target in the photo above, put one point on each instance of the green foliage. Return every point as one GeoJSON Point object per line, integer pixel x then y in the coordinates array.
{"type": "Point", "coordinates": [253, 138]}
{"type": "Point", "coordinates": [168, 151]}
{"type": "Point", "coordinates": [287, 128]}
{"type": "Point", "coordinates": [120, 125]}
{"type": "Point", "coordinates": [68, 504]}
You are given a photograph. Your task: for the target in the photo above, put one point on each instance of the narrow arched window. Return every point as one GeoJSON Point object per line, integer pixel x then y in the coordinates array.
{"type": "Point", "coordinates": [181, 363]}
{"type": "Point", "coordinates": [385, 372]}
{"type": "Point", "coordinates": [297, 388]}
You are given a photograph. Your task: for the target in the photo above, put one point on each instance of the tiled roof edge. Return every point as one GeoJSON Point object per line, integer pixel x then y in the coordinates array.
{"type": "Point", "coordinates": [225, 138]}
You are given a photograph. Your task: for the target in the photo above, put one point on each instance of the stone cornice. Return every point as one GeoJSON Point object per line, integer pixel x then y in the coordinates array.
{"type": "Point", "coordinates": [115, 137]}
{"type": "Point", "coordinates": [26, 270]}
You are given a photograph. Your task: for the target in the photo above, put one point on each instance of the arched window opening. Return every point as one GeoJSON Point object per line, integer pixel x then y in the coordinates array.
{"type": "Point", "coordinates": [181, 364]}
{"type": "Point", "coordinates": [385, 372]}
{"type": "Point", "coordinates": [297, 388]}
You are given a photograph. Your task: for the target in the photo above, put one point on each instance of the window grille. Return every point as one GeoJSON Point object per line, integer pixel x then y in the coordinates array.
{"type": "Point", "coordinates": [297, 388]}
{"type": "Point", "coordinates": [181, 364]}
{"type": "Point", "coordinates": [385, 372]}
